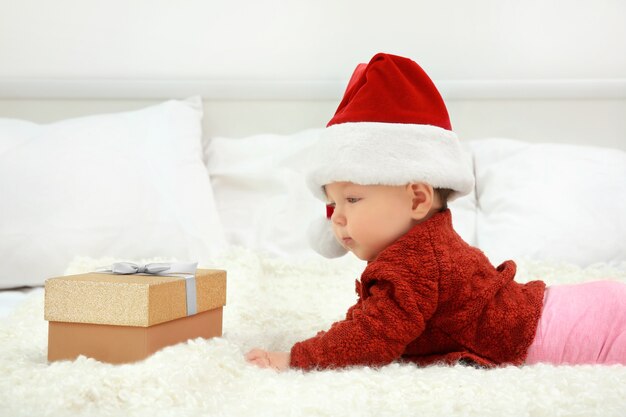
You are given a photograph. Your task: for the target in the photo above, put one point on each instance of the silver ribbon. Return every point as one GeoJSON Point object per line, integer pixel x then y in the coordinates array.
{"type": "Point", "coordinates": [165, 269]}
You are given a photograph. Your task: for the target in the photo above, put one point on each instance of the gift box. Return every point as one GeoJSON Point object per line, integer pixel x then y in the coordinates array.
{"type": "Point", "coordinates": [125, 318]}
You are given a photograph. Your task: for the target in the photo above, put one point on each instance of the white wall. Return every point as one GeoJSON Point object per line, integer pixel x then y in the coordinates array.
{"type": "Point", "coordinates": [310, 39]}
{"type": "Point", "coordinates": [551, 73]}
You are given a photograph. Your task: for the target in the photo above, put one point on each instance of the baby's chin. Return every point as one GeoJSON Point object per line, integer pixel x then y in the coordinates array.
{"type": "Point", "coordinates": [362, 256]}
{"type": "Point", "coordinates": [356, 251]}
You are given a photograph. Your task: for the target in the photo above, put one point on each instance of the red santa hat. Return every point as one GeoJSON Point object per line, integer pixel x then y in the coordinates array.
{"type": "Point", "coordinates": [391, 128]}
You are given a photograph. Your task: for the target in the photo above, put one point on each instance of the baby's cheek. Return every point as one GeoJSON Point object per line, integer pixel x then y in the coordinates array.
{"type": "Point", "coordinates": [336, 231]}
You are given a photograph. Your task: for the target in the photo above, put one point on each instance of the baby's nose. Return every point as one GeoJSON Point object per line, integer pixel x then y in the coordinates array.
{"type": "Point", "coordinates": [338, 218]}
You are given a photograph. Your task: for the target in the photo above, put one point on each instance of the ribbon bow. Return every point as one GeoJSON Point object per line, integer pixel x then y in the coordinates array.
{"type": "Point", "coordinates": [174, 269]}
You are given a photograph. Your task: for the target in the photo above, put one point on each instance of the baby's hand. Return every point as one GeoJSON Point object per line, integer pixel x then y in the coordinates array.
{"type": "Point", "coordinates": [278, 361]}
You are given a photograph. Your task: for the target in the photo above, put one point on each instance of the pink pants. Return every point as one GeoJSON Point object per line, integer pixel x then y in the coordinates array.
{"type": "Point", "coordinates": [582, 324]}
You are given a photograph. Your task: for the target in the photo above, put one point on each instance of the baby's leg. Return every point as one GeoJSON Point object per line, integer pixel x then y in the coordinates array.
{"type": "Point", "coordinates": [582, 324]}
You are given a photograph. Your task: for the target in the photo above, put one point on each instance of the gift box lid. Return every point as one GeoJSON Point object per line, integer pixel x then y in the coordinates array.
{"type": "Point", "coordinates": [129, 300]}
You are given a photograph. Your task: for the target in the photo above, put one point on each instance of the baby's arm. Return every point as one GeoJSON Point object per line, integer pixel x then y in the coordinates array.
{"type": "Point", "coordinates": [280, 360]}
{"type": "Point", "coordinates": [393, 315]}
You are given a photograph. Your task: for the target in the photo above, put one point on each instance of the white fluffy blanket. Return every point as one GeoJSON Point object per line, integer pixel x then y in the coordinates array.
{"type": "Point", "coordinates": [272, 304]}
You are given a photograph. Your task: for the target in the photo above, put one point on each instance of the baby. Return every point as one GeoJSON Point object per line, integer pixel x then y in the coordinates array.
{"type": "Point", "coordinates": [388, 164]}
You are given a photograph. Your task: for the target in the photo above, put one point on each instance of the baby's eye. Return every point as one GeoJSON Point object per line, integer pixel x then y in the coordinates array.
{"type": "Point", "coordinates": [352, 200]}
{"type": "Point", "coordinates": [331, 205]}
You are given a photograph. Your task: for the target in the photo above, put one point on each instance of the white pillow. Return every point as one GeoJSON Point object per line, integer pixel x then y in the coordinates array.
{"type": "Point", "coordinates": [128, 185]}
{"type": "Point", "coordinates": [263, 199]}
{"type": "Point", "coordinates": [260, 191]}
{"type": "Point", "coordinates": [550, 201]}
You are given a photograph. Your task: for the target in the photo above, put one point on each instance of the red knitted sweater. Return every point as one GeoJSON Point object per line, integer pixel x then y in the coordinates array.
{"type": "Point", "coordinates": [430, 297]}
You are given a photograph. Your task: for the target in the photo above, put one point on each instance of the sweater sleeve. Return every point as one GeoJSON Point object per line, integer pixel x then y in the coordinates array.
{"type": "Point", "coordinates": [377, 332]}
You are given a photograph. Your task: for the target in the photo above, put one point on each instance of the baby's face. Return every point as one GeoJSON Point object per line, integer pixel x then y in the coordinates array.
{"type": "Point", "coordinates": [368, 218]}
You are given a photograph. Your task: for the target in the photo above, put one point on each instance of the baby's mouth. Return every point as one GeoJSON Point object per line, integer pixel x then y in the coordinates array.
{"type": "Point", "coordinates": [347, 241]}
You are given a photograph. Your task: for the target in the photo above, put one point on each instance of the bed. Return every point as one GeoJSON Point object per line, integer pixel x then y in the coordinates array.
{"type": "Point", "coordinates": [96, 172]}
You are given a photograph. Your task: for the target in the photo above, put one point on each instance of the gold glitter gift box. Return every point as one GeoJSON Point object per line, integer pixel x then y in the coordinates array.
{"type": "Point", "coordinates": [126, 318]}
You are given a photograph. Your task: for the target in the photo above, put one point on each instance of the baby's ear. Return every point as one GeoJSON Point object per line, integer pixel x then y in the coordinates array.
{"type": "Point", "coordinates": [422, 196]}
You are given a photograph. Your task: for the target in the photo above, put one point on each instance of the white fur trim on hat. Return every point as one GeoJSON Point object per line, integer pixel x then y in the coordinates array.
{"type": "Point", "coordinates": [322, 239]}
{"type": "Point", "coordinates": [374, 153]}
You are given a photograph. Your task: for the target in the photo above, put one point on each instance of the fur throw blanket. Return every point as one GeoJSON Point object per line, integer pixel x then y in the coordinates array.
{"type": "Point", "coordinates": [272, 303]}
